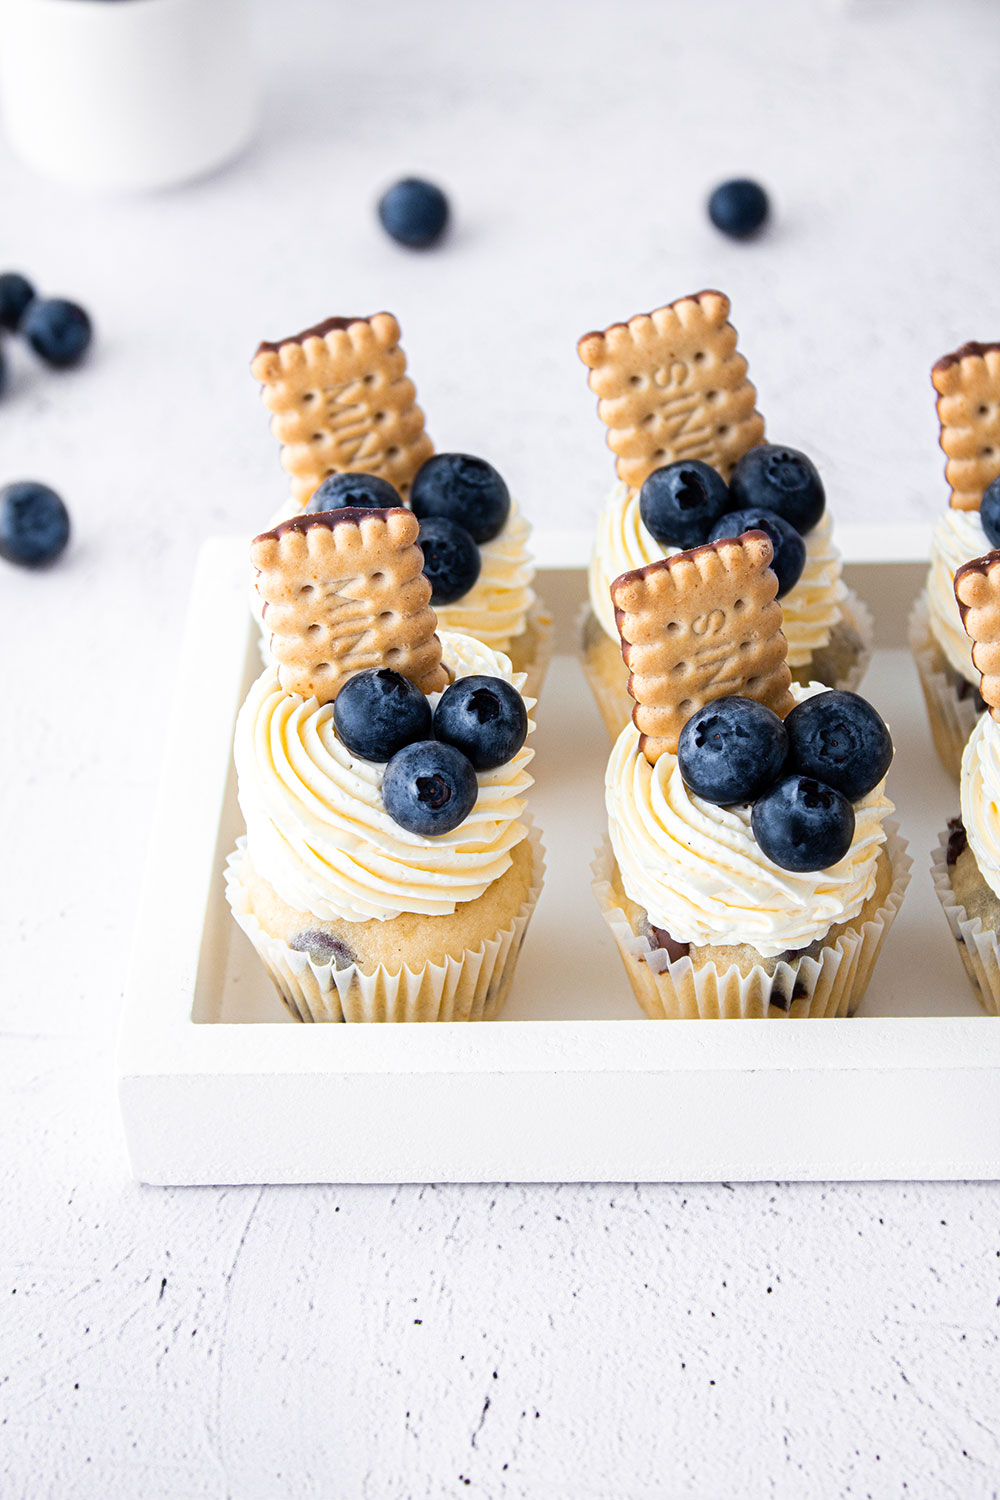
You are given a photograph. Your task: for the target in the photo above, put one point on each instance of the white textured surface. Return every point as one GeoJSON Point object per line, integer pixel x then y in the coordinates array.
{"type": "Point", "coordinates": [365, 1342]}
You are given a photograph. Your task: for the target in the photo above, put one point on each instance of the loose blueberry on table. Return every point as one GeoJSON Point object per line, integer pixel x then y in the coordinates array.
{"type": "Point", "coordinates": [59, 331]}
{"type": "Point", "coordinates": [34, 524]}
{"type": "Point", "coordinates": [16, 293]}
{"type": "Point", "coordinates": [429, 788]}
{"type": "Point", "coordinates": [989, 512]}
{"type": "Point", "coordinates": [731, 750]}
{"type": "Point", "coordinates": [738, 207]}
{"type": "Point", "coordinates": [414, 212]}
{"type": "Point", "coordinates": [485, 718]}
{"type": "Point", "coordinates": [363, 491]}
{"type": "Point", "coordinates": [789, 548]}
{"type": "Point", "coordinates": [451, 559]}
{"type": "Point", "coordinates": [377, 712]}
{"type": "Point", "coordinates": [680, 503]}
{"type": "Point", "coordinates": [463, 489]}
{"type": "Point", "coordinates": [783, 480]}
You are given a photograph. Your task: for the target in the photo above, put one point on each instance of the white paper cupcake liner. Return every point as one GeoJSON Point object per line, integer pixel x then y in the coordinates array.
{"type": "Point", "coordinates": [831, 985]}
{"type": "Point", "coordinates": [615, 703]}
{"type": "Point", "coordinates": [471, 988]}
{"type": "Point", "coordinates": [978, 946]}
{"type": "Point", "coordinates": [534, 672]}
{"type": "Point", "coordinates": [952, 719]}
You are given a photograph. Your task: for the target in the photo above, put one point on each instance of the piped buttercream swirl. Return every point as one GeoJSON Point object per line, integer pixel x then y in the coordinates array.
{"type": "Point", "coordinates": [958, 538]}
{"type": "Point", "coordinates": [317, 828]}
{"type": "Point", "coordinates": [700, 874]}
{"type": "Point", "coordinates": [981, 798]}
{"type": "Point", "coordinates": [811, 609]}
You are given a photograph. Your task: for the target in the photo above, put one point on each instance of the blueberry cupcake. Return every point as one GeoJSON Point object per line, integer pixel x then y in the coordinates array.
{"type": "Point", "coordinates": [966, 864]}
{"type": "Point", "coordinates": [750, 869]}
{"type": "Point", "coordinates": [968, 405]}
{"type": "Point", "coordinates": [693, 466]}
{"type": "Point", "coordinates": [351, 434]}
{"type": "Point", "coordinates": [388, 871]}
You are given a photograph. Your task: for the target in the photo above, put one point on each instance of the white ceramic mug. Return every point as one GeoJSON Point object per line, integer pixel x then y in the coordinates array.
{"type": "Point", "coordinates": [127, 93]}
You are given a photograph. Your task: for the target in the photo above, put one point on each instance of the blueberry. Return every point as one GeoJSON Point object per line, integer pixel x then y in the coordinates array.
{"type": "Point", "coordinates": [789, 548]}
{"type": "Point", "coordinates": [413, 212]}
{"type": "Point", "coordinates": [731, 750]}
{"type": "Point", "coordinates": [16, 292]}
{"type": "Point", "coordinates": [58, 331]}
{"type": "Point", "coordinates": [429, 788]}
{"type": "Point", "coordinates": [34, 524]}
{"type": "Point", "coordinates": [3, 371]}
{"type": "Point", "coordinates": [801, 824]}
{"type": "Point", "coordinates": [464, 489]}
{"type": "Point", "coordinates": [322, 948]}
{"type": "Point", "coordinates": [681, 502]}
{"type": "Point", "coordinates": [989, 512]}
{"type": "Point", "coordinates": [451, 559]}
{"type": "Point", "coordinates": [485, 718]}
{"type": "Point", "coordinates": [840, 739]}
{"type": "Point", "coordinates": [377, 712]}
{"type": "Point", "coordinates": [779, 479]}
{"type": "Point", "coordinates": [738, 207]}
{"type": "Point", "coordinates": [366, 491]}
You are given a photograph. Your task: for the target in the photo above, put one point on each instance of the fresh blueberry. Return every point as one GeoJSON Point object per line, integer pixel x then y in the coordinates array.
{"type": "Point", "coordinates": [464, 489]}
{"type": "Point", "coordinates": [58, 331]}
{"type": "Point", "coordinates": [731, 750]}
{"type": "Point", "coordinates": [801, 824]}
{"type": "Point", "coordinates": [16, 292]}
{"type": "Point", "coordinates": [738, 207]}
{"type": "Point", "coordinates": [789, 548]}
{"type": "Point", "coordinates": [840, 739]}
{"type": "Point", "coordinates": [451, 559]}
{"type": "Point", "coordinates": [429, 788]}
{"type": "Point", "coordinates": [323, 948]}
{"type": "Point", "coordinates": [377, 712]}
{"type": "Point", "coordinates": [779, 479]}
{"type": "Point", "coordinates": [485, 718]}
{"type": "Point", "coordinates": [34, 524]}
{"type": "Point", "coordinates": [414, 212]}
{"type": "Point", "coordinates": [680, 503]}
{"type": "Point", "coordinates": [989, 512]}
{"type": "Point", "coordinates": [3, 371]}
{"type": "Point", "coordinates": [367, 491]}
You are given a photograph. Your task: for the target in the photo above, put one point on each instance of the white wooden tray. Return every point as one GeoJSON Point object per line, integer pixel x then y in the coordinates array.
{"type": "Point", "coordinates": [218, 1085]}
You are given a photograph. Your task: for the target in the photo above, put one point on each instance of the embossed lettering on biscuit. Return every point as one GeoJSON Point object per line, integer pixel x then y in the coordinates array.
{"type": "Point", "coordinates": [977, 589]}
{"type": "Point", "coordinates": [671, 385]}
{"type": "Point", "coordinates": [345, 591]}
{"type": "Point", "coordinates": [697, 626]}
{"type": "Point", "coordinates": [342, 402]}
{"type": "Point", "coordinates": [968, 387]}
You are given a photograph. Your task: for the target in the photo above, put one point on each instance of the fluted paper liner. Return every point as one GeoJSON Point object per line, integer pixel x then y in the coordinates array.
{"type": "Point", "coordinates": [831, 985]}
{"type": "Point", "coordinates": [952, 719]}
{"type": "Point", "coordinates": [978, 946]}
{"type": "Point", "coordinates": [615, 703]}
{"type": "Point", "coordinates": [471, 988]}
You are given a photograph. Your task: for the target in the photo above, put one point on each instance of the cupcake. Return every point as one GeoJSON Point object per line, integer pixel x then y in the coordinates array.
{"type": "Point", "coordinates": [351, 434]}
{"type": "Point", "coordinates": [966, 864]}
{"type": "Point", "coordinates": [691, 457]}
{"type": "Point", "coordinates": [749, 869]}
{"type": "Point", "coordinates": [388, 872]}
{"type": "Point", "coordinates": [968, 405]}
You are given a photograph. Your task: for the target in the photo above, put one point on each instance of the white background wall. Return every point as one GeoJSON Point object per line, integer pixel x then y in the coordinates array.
{"type": "Point", "coordinates": [574, 1341]}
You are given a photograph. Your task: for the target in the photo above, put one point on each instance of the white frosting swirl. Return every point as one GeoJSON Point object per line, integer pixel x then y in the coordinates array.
{"type": "Point", "coordinates": [811, 609]}
{"type": "Point", "coordinates": [981, 798]}
{"type": "Point", "coordinates": [496, 608]}
{"type": "Point", "coordinates": [699, 872]}
{"type": "Point", "coordinates": [317, 828]}
{"type": "Point", "coordinates": [958, 538]}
